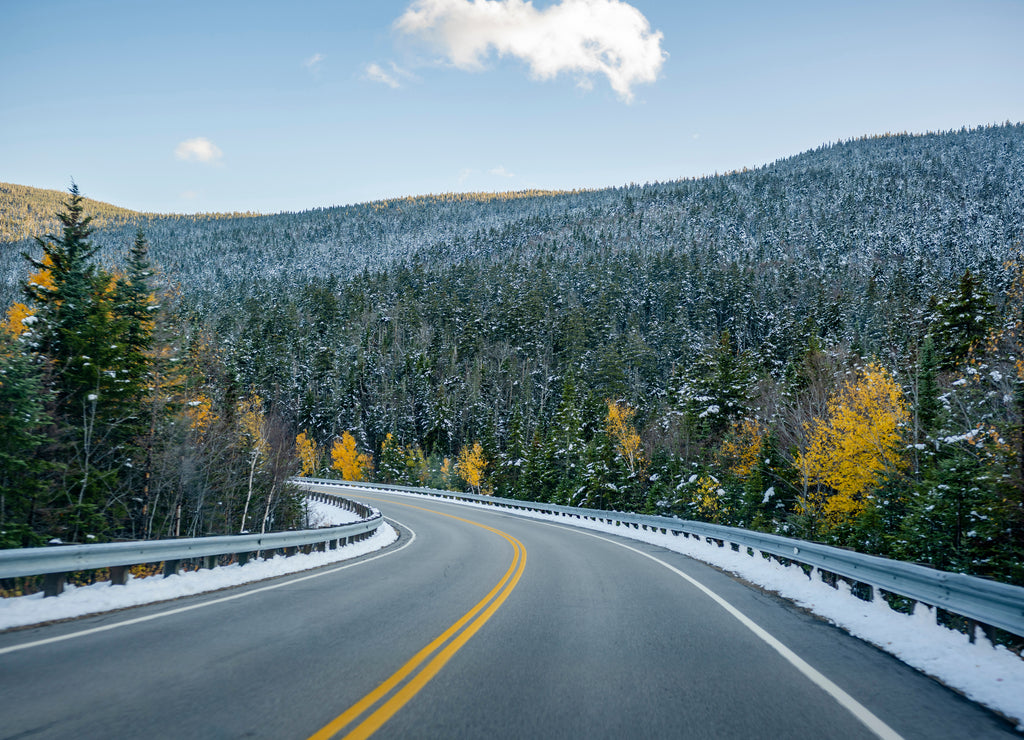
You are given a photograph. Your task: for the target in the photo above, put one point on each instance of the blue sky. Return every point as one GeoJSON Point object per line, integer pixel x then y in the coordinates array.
{"type": "Point", "coordinates": [220, 106]}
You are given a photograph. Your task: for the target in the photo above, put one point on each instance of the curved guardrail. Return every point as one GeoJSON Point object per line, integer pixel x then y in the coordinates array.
{"type": "Point", "coordinates": [988, 602]}
{"type": "Point", "coordinates": [56, 562]}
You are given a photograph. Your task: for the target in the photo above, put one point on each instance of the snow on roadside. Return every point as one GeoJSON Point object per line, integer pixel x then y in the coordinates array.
{"type": "Point", "coordinates": [990, 675]}
{"type": "Point", "coordinates": [77, 601]}
{"type": "Point", "coordinates": [325, 515]}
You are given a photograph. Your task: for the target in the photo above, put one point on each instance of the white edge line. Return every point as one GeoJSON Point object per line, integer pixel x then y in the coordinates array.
{"type": "Point", "coordinates": [211, 602]}
{"type": "Point", "coordinates": [858, 710]}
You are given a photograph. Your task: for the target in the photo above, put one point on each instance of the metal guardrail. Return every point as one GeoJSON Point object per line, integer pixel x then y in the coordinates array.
{"type": "Point", "coordinates": [987, 602]}
{"type": "Point", "coordinates": [56, 562]}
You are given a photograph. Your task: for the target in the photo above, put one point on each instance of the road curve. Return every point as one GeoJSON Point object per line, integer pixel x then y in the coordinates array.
{"type": "Point", "coordinates": [545, 631]}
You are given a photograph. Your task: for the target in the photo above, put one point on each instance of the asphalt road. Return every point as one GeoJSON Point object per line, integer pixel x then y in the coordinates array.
{"type": "Point", "coordinates": [512, 629]}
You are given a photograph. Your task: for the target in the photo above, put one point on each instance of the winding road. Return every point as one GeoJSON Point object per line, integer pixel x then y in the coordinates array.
{"type": "Point", "coordinates": [475, 624]}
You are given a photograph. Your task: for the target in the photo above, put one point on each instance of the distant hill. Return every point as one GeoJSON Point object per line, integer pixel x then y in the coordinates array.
{"type": "Point", "coordinates": [943, 201]}
{"type": "Point", "coordinates": [26, 212]}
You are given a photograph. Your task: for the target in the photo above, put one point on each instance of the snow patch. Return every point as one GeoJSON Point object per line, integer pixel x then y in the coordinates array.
{"type": "Point", "coordinates": [78, 601]}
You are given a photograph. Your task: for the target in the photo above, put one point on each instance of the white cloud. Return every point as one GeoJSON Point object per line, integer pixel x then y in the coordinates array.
{"type": "Point", "coordinates": [199, 149]}
{"type": "Point", "coordinates": [464, 173]}
{"type": "Point", "coordinates": [584, 37]}
{"type": "Point", "coordinates": [375, 73]}
{"type": "Point", "coordinates": [500, 171]}
{"type": "Point", "coordinates": [313, 63]}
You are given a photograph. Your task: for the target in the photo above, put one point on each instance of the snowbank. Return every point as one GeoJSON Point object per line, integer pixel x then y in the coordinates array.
{"type": "Point", "coordinates": [77, 601]}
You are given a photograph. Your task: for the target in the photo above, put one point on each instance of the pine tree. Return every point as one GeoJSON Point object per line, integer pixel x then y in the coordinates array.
{"type": "Point", "coordinates": [134, 308]}
{"type": "Point", "coordinates": [75, 337]}
{"type": "Point", "coordinates": [22, 421]}
{"type": "Point", "coordinates": [391, 462]}
{"type": "Point", "coordinates": [72, 322]}
{"type": "Point", "coordinates": [962, 320]}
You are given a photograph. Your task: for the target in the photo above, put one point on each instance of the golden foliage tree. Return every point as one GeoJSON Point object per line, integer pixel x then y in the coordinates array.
{"type": "Point", "coordinates": [42, 279]}
{"type": "Point", "coordinates": [741, 447]}
{"type": "Point", "coordinates": [708, 498]}
{"type": "Point", "coordinates": [470, 465]}
{"type": "Point", "coordinates": [305, 448]}
{"type": "Point", "coordinates": [16, 316]}
{"type": "Point", "coordinates": [201, 415]}
{"type": "Point", "coordinates": [849, 452]}
{"type": "Point", "coordinates": [619, 425]}
{"type": "Point", "coordinates": [252, 431]}
{"type": "Point", "coordinates": [348, 460]}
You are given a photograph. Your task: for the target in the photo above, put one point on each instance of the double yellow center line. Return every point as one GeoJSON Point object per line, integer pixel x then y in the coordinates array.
{"type": "Point", "coordinates": [407, 681]}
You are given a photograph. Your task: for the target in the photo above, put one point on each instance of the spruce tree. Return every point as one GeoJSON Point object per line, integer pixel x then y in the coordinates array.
{"type": "Point", "coordinates": [961, 321]}
{"type": "Point", "coordinates": [22, 421]}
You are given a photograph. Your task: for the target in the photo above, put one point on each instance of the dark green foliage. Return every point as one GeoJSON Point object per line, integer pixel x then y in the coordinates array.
{"type": "Point", "coordinates": [23, 425]}
{"type": "Point", "coordinates": [95, 443]}
{"type": "Point", "coordinates": [512, 321]}
{"type": "Point", "coordinates": [962, 321]}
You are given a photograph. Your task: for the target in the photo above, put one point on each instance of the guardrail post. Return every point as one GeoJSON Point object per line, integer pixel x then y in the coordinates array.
{"type": "Point", "coordinates": [118, 575]}
{"type": "Point", "coordinates": [171, 567]}
{"type": "Point", "coordinates": [242, 557]}
{"type": "Point", "coordinates": [53, 584]}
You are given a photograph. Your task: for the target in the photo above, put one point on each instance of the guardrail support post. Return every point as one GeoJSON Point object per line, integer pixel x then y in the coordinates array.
{"type": "Point", "coordinates": [53, 584]}
{"type": "Point", "coordinates": [243, 558]}
{"type": "Point", "coordinates": [118, 575]}
{"type": "Point", "coordinates": [171, 567]}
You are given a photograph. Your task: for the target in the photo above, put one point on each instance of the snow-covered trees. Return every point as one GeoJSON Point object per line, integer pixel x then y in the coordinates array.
{"type": "Point", "coordinates": [726, 314]}
{"type": "Point", "coordinates": [103, 422]}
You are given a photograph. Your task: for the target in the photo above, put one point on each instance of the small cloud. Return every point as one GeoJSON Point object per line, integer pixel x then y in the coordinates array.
{"type": "Point", "coordinates": [500, 171]}
{"type": "Point", "coordinates": [696, 136]}
{"type": "Point", "coordinates": [313, 63]}
{"type": "Point", "coordinates": [199, 149]}
{"type": "Point", "coordinates": [375, 73]}
{"type": "Point", "coordinates": [464, 173]}
{"type": "Point", "coordinates": [585, 37]}
{"type": "Point", "coordinates": [189, 195]}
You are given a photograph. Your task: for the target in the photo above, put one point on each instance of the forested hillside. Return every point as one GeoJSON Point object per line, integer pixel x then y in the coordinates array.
{"type": "Point", "coordinates": [824, 347]}
{"type": "Point", "coordinates": [27, 212]}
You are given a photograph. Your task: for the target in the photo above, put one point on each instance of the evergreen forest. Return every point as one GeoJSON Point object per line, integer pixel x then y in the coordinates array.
{"type": "Point", "coordinates": [828, 347]}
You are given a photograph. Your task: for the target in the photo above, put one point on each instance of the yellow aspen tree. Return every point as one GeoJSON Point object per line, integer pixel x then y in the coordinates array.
{"type": "Point", "coordinates": [470, 465]}
{"type": "Point", "coordinates": [18, 312]}
{"type": "Point", "coordinates": [348, 460]}
{"type": "Point", "coordinates": [252, 431]}
{"type": "Point", "coordinates": [305, 448]}
{"type": "Point", "coordinates": [200, 414]}
{"type": "Point", "coordinates": [446, 472]}
{"type": "Point", "coordinates": [16, 315]}
{"type": "Point", "coordinates": [741, 447]}
{"type": "Point", "coordinates": [43, 278]}
{"type": "Point", "coordinates": [624, 436]}
{"type": "Point", "coordinates": [708, 498]}
{"type": "Point", "coordinates": [849, 451]}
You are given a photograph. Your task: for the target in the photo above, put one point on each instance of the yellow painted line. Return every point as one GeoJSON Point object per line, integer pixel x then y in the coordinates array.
{"type": "Point", "coordinates": [482, 610]}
